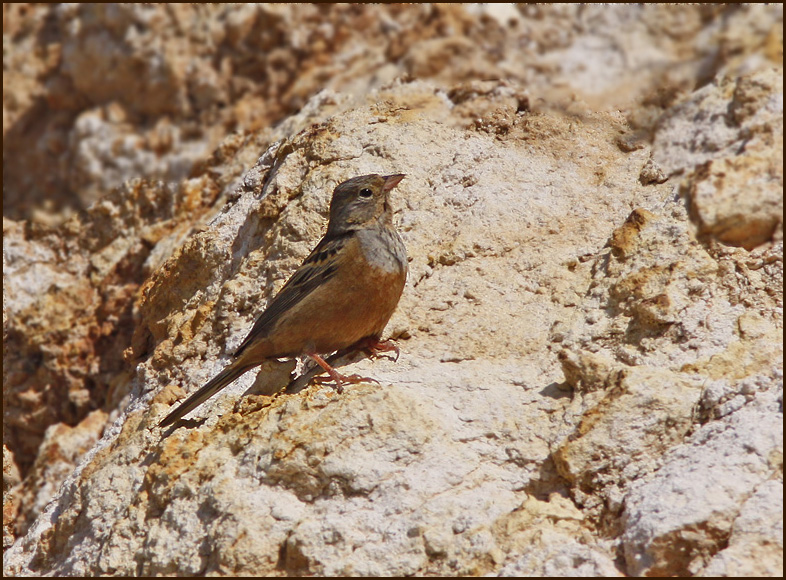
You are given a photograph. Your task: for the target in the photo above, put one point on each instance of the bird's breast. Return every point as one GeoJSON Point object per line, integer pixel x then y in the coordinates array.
{"type": "Point", "coordinates": [356, 302]}
{"type": "Point", "coordinates": [383, 250]}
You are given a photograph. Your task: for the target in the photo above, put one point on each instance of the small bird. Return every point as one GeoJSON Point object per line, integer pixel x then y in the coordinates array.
{"type": "Point", "coordinates": [339, 299]}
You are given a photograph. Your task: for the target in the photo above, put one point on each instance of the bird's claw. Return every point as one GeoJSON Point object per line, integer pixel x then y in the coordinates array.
{"type": "Point", "coordinates": [375, 348]}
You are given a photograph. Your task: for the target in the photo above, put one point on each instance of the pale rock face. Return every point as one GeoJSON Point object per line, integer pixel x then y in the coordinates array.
{"type": "Point", "coordinates": [590, 380]}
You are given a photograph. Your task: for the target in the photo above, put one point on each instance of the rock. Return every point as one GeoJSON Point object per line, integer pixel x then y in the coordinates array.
{"type": "Point", "coordinates": [737, 197]}
{"type": "Point", "coordinates": [11, 480]}
{"type": "Point", "coordinates": [58, 455]}
{"type": "Point", "coordinates": [679, 520]}
{"type": "Point", "coordinates": [590, 379]}
{"type": "Point", "coordinates": [755, 545]}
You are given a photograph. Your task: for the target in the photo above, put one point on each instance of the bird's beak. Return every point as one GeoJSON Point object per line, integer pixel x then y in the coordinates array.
{"type": "Point", "coordinates": [392, 181]}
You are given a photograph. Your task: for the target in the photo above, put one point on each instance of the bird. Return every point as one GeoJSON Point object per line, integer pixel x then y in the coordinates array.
{"type": "Point", "coordinates": [339, 299]}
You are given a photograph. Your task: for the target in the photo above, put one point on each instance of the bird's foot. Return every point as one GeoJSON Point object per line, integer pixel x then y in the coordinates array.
{"type": "Point", "coordinates": [374, 347]}
{"type": "Point", "coordinates": [335, 376]}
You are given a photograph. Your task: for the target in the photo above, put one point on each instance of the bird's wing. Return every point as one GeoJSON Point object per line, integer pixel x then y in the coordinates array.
{"type": "Point", "coordinates": [319, 267]}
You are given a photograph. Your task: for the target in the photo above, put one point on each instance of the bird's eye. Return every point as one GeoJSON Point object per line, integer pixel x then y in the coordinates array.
{"type": "Point", "coordinates": [365, 192]}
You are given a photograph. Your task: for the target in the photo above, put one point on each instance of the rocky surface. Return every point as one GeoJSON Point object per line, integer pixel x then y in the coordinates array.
{"type": "Point", "coordinates": [591, 373]}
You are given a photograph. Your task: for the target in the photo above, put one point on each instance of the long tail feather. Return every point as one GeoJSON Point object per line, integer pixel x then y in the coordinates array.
{"type": "Point", "coordinates": [221, 380]}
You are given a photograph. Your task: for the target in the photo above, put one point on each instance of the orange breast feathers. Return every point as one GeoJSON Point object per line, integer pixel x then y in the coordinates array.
{"type": "Point", "coordinates": [356, 303]}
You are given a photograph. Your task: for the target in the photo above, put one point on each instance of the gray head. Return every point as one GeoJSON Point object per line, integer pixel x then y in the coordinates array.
{"type": "Point", "coordinates": [362, 202]}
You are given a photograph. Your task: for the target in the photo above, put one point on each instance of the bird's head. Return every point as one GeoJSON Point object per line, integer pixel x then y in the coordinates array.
{"type": "Point", "coordinates": [361, 202]}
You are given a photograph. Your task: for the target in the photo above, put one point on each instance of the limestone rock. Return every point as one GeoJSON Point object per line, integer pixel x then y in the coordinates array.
{"type": "Point", "coordinates": [679, 519]}
{"type": "Point", "coordinates": [590, 379]}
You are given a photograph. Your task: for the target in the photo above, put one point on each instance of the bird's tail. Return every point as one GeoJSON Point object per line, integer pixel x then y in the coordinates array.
{"type": "Point", "coordinates": [221, 380]}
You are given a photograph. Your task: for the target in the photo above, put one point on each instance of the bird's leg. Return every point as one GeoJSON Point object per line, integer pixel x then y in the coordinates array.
{"type": "Point", "coordinates": [337, 377]}
{"type": "Point", "coordinates": [370, 346]}
{"type": "Point", "coordinates": [373, 347]}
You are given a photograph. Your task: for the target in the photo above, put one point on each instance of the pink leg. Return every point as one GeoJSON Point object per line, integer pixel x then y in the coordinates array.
{"type": "Point", "coordinates": [337, 377]}
{"type": "Point", "coordinates": [374, 347]}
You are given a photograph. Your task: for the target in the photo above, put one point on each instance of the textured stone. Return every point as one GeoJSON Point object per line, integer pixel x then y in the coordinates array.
{"type": "Point", "coordinates": [756, 542]}
{"type": "Point", "coordinates": [60, 451]}
{"type": "Point", "coordinates": [73, 130]}
{"type": "Point", "coordinates": [591, 335]}
{"type": "Point", "coordinates": [678, 519]}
